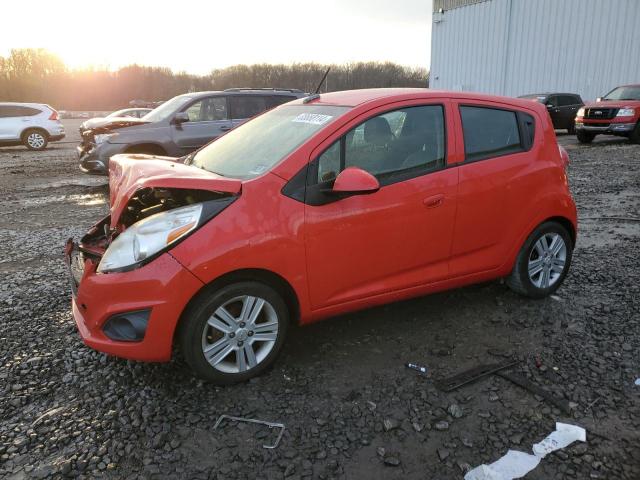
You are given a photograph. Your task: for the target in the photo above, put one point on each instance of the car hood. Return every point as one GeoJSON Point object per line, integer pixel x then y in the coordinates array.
{"type": "Point", "coordinates": [130, 173]}
{"type": "Point", "coordinates": [100, 124]}
{"type": "Point", "coordinates": [613, 104]}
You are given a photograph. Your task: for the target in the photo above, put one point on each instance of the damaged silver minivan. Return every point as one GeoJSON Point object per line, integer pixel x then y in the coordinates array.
{"type": "Point", "coordinates": [177, 127]}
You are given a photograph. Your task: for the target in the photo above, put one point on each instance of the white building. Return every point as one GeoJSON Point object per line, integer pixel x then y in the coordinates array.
{"type": "Point", "coordinates": [515, 47]}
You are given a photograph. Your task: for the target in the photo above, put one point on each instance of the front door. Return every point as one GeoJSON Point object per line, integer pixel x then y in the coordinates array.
{"type": "Point", "coordinates": [208, 120]}
{"type": "Point", "coordinates": [397, 237]}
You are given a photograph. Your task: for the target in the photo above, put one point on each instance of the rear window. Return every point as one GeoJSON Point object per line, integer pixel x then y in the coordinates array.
{"type": "Point", "coordinates": [247, 107]}
{"type": "Point", "coordinates": [489, 132]}
{"type": "Point", "coordinates": [18, 111]}
{"type": "Point", "coordinates": [279, 100]}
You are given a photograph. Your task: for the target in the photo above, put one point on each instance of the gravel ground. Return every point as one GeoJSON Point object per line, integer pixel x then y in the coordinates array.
{"type": "Point", "coordinates": [350, 407]}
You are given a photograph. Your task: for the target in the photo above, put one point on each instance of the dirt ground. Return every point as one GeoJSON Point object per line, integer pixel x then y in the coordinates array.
{"type": "Point", "coordinates": [351, 408]}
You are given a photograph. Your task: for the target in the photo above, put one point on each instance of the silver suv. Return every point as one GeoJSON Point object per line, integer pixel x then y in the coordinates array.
{"type": "Point", "coordinates": [177, 127]}
{"type": "Point", "coordinates": [33, 125]}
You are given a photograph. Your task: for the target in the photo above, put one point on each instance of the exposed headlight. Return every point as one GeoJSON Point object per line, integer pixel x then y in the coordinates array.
{"type": "Point", "coordinates": [626, 112]}
{"type": "Point", "coordinates": [103, 137]}
{"type": "Point", "coordinates": [580, 112]}
{"type": "Point", "coordinates": [149, 236]}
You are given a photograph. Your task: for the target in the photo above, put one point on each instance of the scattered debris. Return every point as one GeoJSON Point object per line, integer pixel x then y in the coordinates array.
{"type": "Point", "coordinates": [471, 375]}
{"type": "Point", "coordinates": [418, 368]}
{"type": "Point", "coordinates": [455, 410]}
{"type": "Point", "coordinates": [253, 420]}
{"type": "Point", "coordinates": [517, 464]}
{"type": "Point", "coordinates": [564, 435]}
{"type": "Point", "coordinates": [536, 390]}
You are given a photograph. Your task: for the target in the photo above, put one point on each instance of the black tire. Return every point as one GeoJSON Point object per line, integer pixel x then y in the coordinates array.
{"type": "Point", "coordinates": [585, 137]}
{"type": "Point", "coordinates": [196, 333]}
{"type": "Point", "coordinates": [571, 130]}
{"type": "Point", "coordinates": [149, 149]}
{"type": "Point", "coordinates": [635, 135]}
{"type": "Point", "coordinates": [35, 139]}
{"type": "Point", "coordinates": [520, 281]}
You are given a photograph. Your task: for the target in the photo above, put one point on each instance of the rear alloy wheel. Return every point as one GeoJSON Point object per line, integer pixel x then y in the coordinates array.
{"type": "Point", "coordinates": [35, 140]}
{"type": "Point", "coordinates": [585, 137]}
{"type": "Point", "coordinates": [236, 333]}
{"type": "Point", "coordinates": [543, 261]}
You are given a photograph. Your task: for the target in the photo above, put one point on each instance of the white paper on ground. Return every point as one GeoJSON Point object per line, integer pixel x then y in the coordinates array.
{"type": "Point", "coordinates": [513, 465]}
{"type": "Point", "coordinates": [638, 382]}
{"type": "Point", "coordinates": [564, 435]}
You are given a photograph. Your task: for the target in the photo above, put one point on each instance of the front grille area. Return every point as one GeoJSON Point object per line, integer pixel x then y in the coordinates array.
{"type": "Point", "coordinates": [600, 113]}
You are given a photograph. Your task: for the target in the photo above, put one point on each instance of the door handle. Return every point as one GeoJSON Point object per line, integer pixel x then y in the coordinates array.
{"type": "Point", "coordinates": [224, 128]}
{"type": "Point", "coordinates": [435, 201]}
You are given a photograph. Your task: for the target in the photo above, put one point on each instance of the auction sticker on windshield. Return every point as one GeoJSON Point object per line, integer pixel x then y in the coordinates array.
{"type": "Point", "coordinates": [312, 118]}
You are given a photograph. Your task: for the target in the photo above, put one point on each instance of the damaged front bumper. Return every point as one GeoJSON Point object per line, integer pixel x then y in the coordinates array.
{"type": "Point", "coordinates": [94, 159]}
{"type": "Point", "coordinates": [131, 315]}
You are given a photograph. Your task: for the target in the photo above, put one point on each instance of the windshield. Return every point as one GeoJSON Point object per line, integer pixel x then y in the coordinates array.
{"type": "Point", "coordinates": [120, 113]}
{"type": "Point", "coordinates": [623, 93]}
{"type": "Point", "coordinates": [166, 109]}
{"type": "Point", "coordinates": [257, 145]}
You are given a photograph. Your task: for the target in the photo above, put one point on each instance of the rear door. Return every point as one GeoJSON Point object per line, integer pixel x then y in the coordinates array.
{"type": "Point", "coordinates": [243, 107]}
{"type": "Point", "coordinates": [494, 180]}
{"type": "Point", "coordinates": [398, 237]}
{"type": "Point", "coordinates": [208, 119]}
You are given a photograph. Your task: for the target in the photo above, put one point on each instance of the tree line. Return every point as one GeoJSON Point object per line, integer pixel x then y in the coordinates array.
{"type": "Point", "coordinates": [37, 75]}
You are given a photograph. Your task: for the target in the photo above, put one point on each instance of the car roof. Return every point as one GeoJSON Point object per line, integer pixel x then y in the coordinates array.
{"type": "Point", "coordinates": [546, 94]}
{"type": "Point", "coordinates": [354, 98]}
{"type": "Point", "coordinates": [24, 104]}
{"type": "Point", "coordinates": [247, 91]}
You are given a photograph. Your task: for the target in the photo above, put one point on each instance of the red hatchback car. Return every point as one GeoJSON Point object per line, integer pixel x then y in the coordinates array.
{"type": "Point", "coordinates": [322, 206]}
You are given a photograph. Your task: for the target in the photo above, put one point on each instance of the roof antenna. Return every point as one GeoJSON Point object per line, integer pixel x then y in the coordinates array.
{"type": "Point", "coordinates": [316, 94]}
{"type": "Point", "coordinates": [322, 81]}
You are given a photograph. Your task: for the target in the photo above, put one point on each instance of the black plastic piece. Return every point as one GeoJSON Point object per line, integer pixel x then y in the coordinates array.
{"type": "Point", "coordinates": [471, 375]}
{"type": "Point", "coordinates": [128, 326]}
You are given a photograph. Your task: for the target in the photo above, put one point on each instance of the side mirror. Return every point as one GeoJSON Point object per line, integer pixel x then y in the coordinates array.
{"type": "Point", "coordinates": [180, 118]}
{"type": "Point", "coordinates": [599, 99]}
{"type": "Point", "coordinates": [354, 180]}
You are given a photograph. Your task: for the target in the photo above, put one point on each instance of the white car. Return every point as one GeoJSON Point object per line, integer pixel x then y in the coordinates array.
{"type": "Point", "coordinates": [33, 125]}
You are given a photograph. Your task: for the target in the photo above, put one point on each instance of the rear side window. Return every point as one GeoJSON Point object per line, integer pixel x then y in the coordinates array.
{"type": "Point", "coordinates": [17, 111]}
{"type": "Point", "coordinates": [279, 100]}
{"type": "Point", "coordinates": [489, 132]}
{"type": "Point", "coordinates": [246, 107]}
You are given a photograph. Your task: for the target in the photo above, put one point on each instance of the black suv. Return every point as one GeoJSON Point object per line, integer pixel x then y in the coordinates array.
{"type": "Point", "coordinates": [178, 126]}
{"type": "Point", "coordinates": [562, 108]}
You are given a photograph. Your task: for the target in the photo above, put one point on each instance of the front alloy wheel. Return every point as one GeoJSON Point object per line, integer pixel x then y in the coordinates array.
{"type": "Point", "coordinates": [234, 333]}
{"type": "Point", "coordinates": [240, 334]}
{"type": "Point", "coordinates": [543, 261]}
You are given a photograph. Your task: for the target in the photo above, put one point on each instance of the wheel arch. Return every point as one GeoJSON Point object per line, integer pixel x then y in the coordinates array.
{"type": "Point", "coordinates": [267, 277]}
{"type": "Point", "coordinates": [36, 128]}
{"type": "Point", "coordinates": [566, 223]}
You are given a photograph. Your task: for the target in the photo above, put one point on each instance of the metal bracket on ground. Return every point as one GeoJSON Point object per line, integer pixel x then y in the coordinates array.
{"type": "Point", "coordinates": [259, 422]}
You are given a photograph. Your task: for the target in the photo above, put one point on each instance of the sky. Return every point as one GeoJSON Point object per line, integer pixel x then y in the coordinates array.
{"type": "Point", "coordinates": [199, 35]}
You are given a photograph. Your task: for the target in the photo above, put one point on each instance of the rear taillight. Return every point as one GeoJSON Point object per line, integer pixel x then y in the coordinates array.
{"type": "Point", "coordinates": [54, 115]}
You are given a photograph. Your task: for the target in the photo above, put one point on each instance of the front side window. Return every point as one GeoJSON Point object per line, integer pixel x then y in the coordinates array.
{"type": "Point", "coordinates": [256, 146]}
{"type": "Point", "coordinates": [394, 146]}
{"type": "Point", "coordinates": [167, 109]}
{"type": "Point", "coordinates": [489, 132]}
{"type": "Point", "coordinates": [247, 107]}
{"type": "Point", "coordinates": [566, 100]}
{"type": "Point", "coordinates": [208, 110]}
